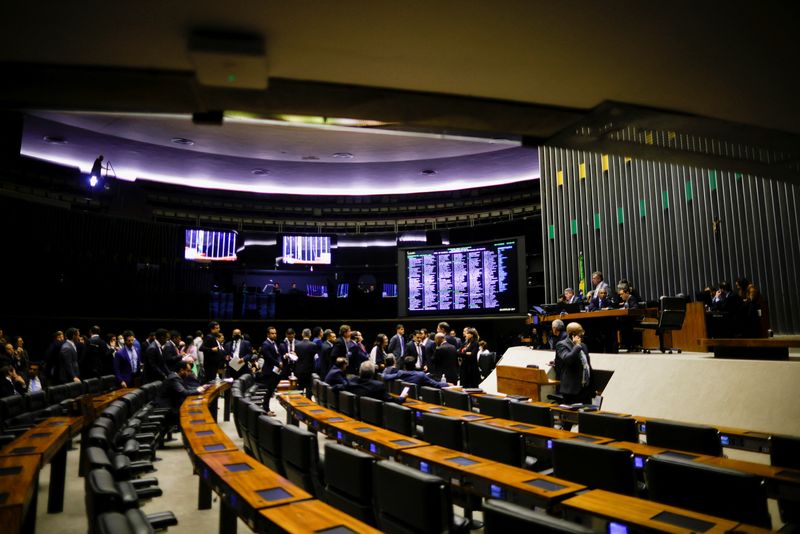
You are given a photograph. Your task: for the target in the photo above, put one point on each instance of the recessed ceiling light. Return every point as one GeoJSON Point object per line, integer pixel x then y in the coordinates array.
{"type": "Point", "coordinates": [343, 155]}
{"type": "Point", "coordinates": [260, 172]}
{"type": "Point", "coordinates": [182, 141]}
{"type": "Point", "coordinates": [310, 158]}
{"type": "Point", "coordinates": [54, 140]}
{"type": "Point", "coordinates": [428, 172]}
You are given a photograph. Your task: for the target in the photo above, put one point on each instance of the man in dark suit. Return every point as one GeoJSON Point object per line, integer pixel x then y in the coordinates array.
{"type": "Point", "coordinates": [414, 348]}
{"type": "Point", "coordinates": [305, 350]}
{"type": "Point", "coordinates": [601, 302]}
{"type": "Point", "coordinates": [336, 376]}
{"type": "Point", "coordinates": [213, 353]}
{"type": "Point", "coordinates": [358, 353]}
{"type": "Point", "coordinates": [170, 350]}
{"type": "Point", "coordinates": [628, 337]}
{"type": "Point", "coordinates": [287, 351]}
{"type": "Point", "coordinates": [409, 373]}
{"type": "Point", "coordinates": [366, 385]}
{"type": "Point", "coordinates": [96, 353]}
{"type": "Point", "coordinates": [444, 328]}
{"type": "Point", "coordinates": [343, 346]}
{"type": "Point", "coordinates": [576, 376]}
{"type": "Point", "coordinates": [239, 354]}
{"type": "Point", "coordinates": [173, 392]}
{"type": "Point", "coordinates": [68, 369]}
{"type": "Point", "coordinates": [127, 362]}
{"type": "Point", "coordinates": [397, 343]}
{"type": "Point", "coordinates": [155, 365]}
{"type": "Point", "coordinates": [445, 358]}
{"type": "Point", "coordinates": [325, 360]}
{"type": "Point", "coordinates": [271, 366]}
{"type": "Point", "coordinates": [428, 346]}
{"type": "Point", "coordinates": [10, 382]}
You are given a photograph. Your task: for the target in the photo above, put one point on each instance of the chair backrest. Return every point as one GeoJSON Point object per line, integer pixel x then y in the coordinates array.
{"type": "Point", "coordinates": [408, 500]}
{"type": "Point", "coordinates": [57, 393]}
{"type": "Point", "coordinates": [413, 389]}
{"type": "Point", "coordinates": [671, 313]}
{"type": "Point", "coordinates": [708, 489]}
{"type": "Point", "coordinates": [395, 386]}
{"type": "Point", "coordinates": [36, 401]}
{"type": "Point", "coordinates": [455, 399]}
{"type": "Point", "coordinates": [503, 517]}
{"type": "Point", "coordinates": [74, 389]}
{"type": "Point", "coordinates": [301, 457]}
{"type": "Point", "coordinates": [108, 383]}
{"type": "Point", "coordinates": [498, 444]}
{"type": "Point", "coordinates": [93, 386]}
{"type": "Point", "coordinates": [250, 432]}
{"type": "Point", "coordinates": [11, 407]}
{"type": "Point", "coordinates": [784, 451]}
{"type": "Point", "coordinates": [348, 404]}
{"type": "Point", "coordinates": [371, 410]}
{"type": "Point", "coordinates": [684, 437]}
{"type": "Point", "coordinates": [431, 395]}
{"type": "Point", "coordinates": [348, 481]}
{"type": "Point", "coordinates": [398, 418]}
{"type": "Point", "coordinates": [103, 495]}
{"type": "Point", "coordinates": [533, 414]}
{"type": "Point", "coordinates": [332, 398]}
{"type": "Point", "coordinates": [596, 466]}
{"type": "Point", "coordinates": [494, 406]}
{"type": "Point", "coordinates": [443, 431]}
{"type": "Point", "coordinates": [269, 443]}
{"type": "Point", "coordinates": [609, 426]}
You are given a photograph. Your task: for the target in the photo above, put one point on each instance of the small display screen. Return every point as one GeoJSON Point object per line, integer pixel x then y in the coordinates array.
{"type": "Point", "coordinates": [460, 460]}
{"type": "Point", "coordinates": [235, 468]}
{"type": "Point", "coordinates": [403, 442]}
{"type": "Point", "coordinates": [307, 249]}
{"type": "Point", "coordinates": [274, 494]}
{"type": "Point", "coordinates": [544, 484]}
{"type": "Point", "coordinates": [690, 523]}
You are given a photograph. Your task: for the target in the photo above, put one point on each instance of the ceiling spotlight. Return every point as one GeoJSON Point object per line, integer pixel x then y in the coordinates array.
{"type": "Point", "coordinates": [259, 172]}
{"type": "Point", "coordinates": [428, 172]}
{"type": "Point", "coordinates": [54, 140]}
{"type": "Point", "coordinates": [182, 141]}
{"type": "Point", "coordinates": [310, 158]}
{"type": "Point", "coordinates": [343, 155]}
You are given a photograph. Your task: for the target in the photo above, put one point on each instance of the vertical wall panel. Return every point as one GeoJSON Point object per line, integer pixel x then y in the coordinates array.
{"type": "Point", "coordinates": [672, 250]}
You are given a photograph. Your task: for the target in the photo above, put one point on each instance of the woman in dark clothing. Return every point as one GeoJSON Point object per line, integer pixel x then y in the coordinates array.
{"type": "Point", "coordinates": [470, 374]}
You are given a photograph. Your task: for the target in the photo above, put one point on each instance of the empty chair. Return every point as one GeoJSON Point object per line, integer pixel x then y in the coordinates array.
{"type": "Point", "coordinates": [413, 389]}
{"type": "Point", "coordinates": [431, 395]}
{"type": "Point", "coordinates": [120, 466]}
{"type": "Point", "coordinates": [684, 437]}
{"type": "Point", "coordinates": [269, 443]}
{"type": "Point", "coordinates": [502, 517]}
{"type": "Point", "coordinates": [443, 431]}
{"type": "Point", "coordinates": [109, 382]}
{"type": "Point", "coordinates": [348, 481]}
{"type": "Point", "coordinates": [35, 401]}
{"type": "Point", "coordinates": [371, 410]}
{"type": "Point", "coordinates": [596, 466]}
{"type": "Point", "coordinates": [104, 494]}
{"type": "Point", "coordinates": [455, 399]}
{"type": "Point", "coordinates": [608, 426]}
{"type": "Point", "coordinates": [494, 406]}
{"type": "Point", "coordinates": [240, 417]}
{"type": "Point", "coordinates": [708, 489]}
{"type": "Point", "coordinates": [671, 313]}
{"type": "Point", "coordinates": [395, 386]}
{"type": "Point", "coordinates": [533, 414]}
{"type": "Point", "coordinates": [57, 393]}
{"type": "Point", "coordinates": [93, 386]}
{"type": "Point", "coordinates": [486, 363]}
{"type": "Point", "coordinates": [408, 501]}
{"type": "Point", "coordinates": [301, 458]}
{"type": "Point", "coordinates": [250, 430]}
{"type": "Point", "coordinates": [398, 418]}
{"type": "Point", "coordinates": [347, 404]}
{"type": "Point", "coordinates": [332, 397]}
{"type": "Point", "coordinates": [498, 444]}
{"type": "Point", "coordinates": [133, 521]}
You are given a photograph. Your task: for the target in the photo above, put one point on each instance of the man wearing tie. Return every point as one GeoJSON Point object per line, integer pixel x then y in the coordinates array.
{"type": "Point", "coordinates": [239, 353]}
{"type": "Point", "coordinates": [155, 366]}
{"type": "Point", "coordinates": [601, 302]}
{"type": "Point", "coordinates": [271, 367]}
{"type": "Point", "coordinates": [414, 348]}
{"type": "Point", "coordinates": [288, 355]}
{"type": "Point", "coordinates": [213, 353]}
{"type": "Point", "coordinates": [127, 362]}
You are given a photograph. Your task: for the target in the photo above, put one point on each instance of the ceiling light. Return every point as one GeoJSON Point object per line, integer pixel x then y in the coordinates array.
{"type": "Point", "coordinates": [343, 155]}
{"type": "Point", "coordinates": [428, 172]}
{"type": "Point", "coordinates": [259, 172]}
{"type": "Point", "coordinates": [310, 158]}
{"type": "Point", "coordinates": [182, 141]}
{"type": "Point", "coordinates": [54, 140]}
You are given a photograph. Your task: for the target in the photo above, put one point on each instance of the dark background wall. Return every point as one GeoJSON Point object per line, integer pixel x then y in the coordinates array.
{"type": "Point", "coordinates": [654, 223]}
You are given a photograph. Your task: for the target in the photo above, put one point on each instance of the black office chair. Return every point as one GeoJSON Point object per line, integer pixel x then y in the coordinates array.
{"type": "Point", "coordinates": [104, 494]}
{"type": "Point", "coordinates": [240, 418]}
{"type": "Point", "coordinates": [494, 406]}
{"type": "Point", "coordinates": [596, 466]}
{"type": "Point", "coordinates": [398, 418]}
{"type": "Point", "coordinates": [708, 489]}
{"type": "Point", "coordinates": [431, 395]}
{"type": "Point", "coordinates": [269, 443]}
{"type": "Point", "coordinates": [503, 517]}
{"type": "Point", "coordinates": [671, 313]}
{"type": "Point", "coordinates": [395, 386]}
{"type": "Point", "coordinates": [332, 397]}
{"type": "Point", "coordinates": [348, 403]}
{"type": "Point", "coordinates": [301, 458]}
{"type": "Point", "coordinates": [684, 437]}
{"type": "Point", "coordinates": [608, 426]}
{"type": "Point", "coordinates": [120, 466]}
{"type": "Point", "coordinates": [498, 444]}
{"type": "Point", "coordinates": [413, 389]}
{"type": "Point", "coordinates": [348, 481]}
{"type": "Point", "coordinates": [425, 505]}
{"type": "Point", "coordinates": [250, 437]}
{"type": "Point", "coordinates": [533, 414]}
{"type": "Point", "coordinates": [321, 395]}
{"type": "Point", "coordinates": [456, 399]}
{"type": "Point", "coordinates": [443, 431]}
{"type": "Point", "coordinates": [108, 383]}
{"type": "Point", "coordinates": [371, 410]}
{"type": "Point", "coordinates": [93, 386]}
{"type": "Point", "coordinates": [133, 521]}
{"type": "Point", "coordinates": [784, 451]}
{"type": "Point", "coordinates": [486, 364]}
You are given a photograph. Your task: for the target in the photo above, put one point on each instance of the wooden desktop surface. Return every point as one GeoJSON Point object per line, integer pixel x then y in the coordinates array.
{"type": "Point", "coordinates": [544, 431]}
{"type": "Point", "coordinates": [518, 479]}
{"type": "Point", "coordinates": [378, 435]}
{"type": "Point", "coordinates": [617, 507]}
{"type": "Point", "coordinates": [312, 516]}
{"type": "Point", "coordinates": [17, 489]}
{"type": "Point", "coordinates": [444, 410]}
{"type": "Point", "coordinates": [44, 440]}
{"type": "Point", "coordinates": [602, 314]}
{"type": "Point", "coordinates": [444, 457]}
{"type": "Point", "coordinates": [208, 439]}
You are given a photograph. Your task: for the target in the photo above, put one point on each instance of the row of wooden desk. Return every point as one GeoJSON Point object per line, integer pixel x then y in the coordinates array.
{"type": "Point", "coordinates": [247, 489]}
{"type": "Point", "coordinates": [490, 479]}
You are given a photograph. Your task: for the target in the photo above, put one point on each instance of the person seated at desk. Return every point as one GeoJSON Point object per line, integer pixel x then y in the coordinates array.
{"type": "Point", "coordinates": [569, 296]}
{"type": "Point", "coordinates": [337, 376]}
{"type": "Point", "coordinates": [627, 299]}
{"type": "Point", "coordinates": [365, 385]}
{"type": "Point", "coordinates": [411, 374]}
{"type": "Point", "coordinates": [601, 302]}
{"type": "Point", "coordinates": [629, 338]}
{"type": "Point", "coordinates": [726, 308]}
{"type": "Point", "coordinates": [173, 392]}
{"type": "Point", "coordinates": [754, 314]}
{"type": "Point", "coordinates": [11, 383]}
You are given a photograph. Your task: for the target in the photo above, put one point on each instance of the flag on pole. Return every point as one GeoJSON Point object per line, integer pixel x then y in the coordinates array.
{"type": "Point", "coordinates": [581, 276]}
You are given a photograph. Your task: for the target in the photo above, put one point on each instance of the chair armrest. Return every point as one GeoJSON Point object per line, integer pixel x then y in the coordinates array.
{"type": "Point", "coordinates": [141, 483]}
{"type": "Point", "coordinates": [162, 520]}
{"type": "Point", "coordinates": [147, 493]}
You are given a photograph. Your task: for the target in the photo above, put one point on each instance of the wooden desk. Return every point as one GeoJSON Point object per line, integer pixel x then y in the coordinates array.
{"type": "Point", "coordinates": [604, 507]}
{"type": "Point", "coordinates": [19, 476]}
{"type": "Point", "coordinates": [767, 348]}
{"type": "Point", "coordinates": [48, 442]}
{"type": "Point", "coordinates": [372, 439]}
{"type": "Point", "coordinates": [539, 438]}
{"type": "Point", "coordinates": [317, 417]}
{"type": "Point", "coordinates": [245, 486]}
{"type": "Point", "coordinates": [442, 462]}
{"type": "Point", "coordinates": [420, 406]}
{"type": "Point", "coordinates": [522, 381]}
{"type": "Point", "coordinates": [206, 439]}
{"type": "Point", "coordinates": [308, 517]}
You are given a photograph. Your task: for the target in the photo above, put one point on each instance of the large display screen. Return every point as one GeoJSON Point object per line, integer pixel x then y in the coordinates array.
{"type": "Point", "coordinates": [210, 245]}
{"type": "Point", "coordinates": [474, 279]}
{"type": "Point", "coordinates": [307, 249]}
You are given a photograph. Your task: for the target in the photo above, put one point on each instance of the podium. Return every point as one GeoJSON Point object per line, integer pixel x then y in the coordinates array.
{"type": "Point", "coordinates": [524, 381]}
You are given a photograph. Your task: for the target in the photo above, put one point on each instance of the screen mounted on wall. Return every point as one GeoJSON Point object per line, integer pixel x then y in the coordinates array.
{"type": "Point", "coordinates": [209, 245]}
{"type": "Point", "coordinates": [307, 249]}
{"type": "Point", "coordinates": [471, 279]}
